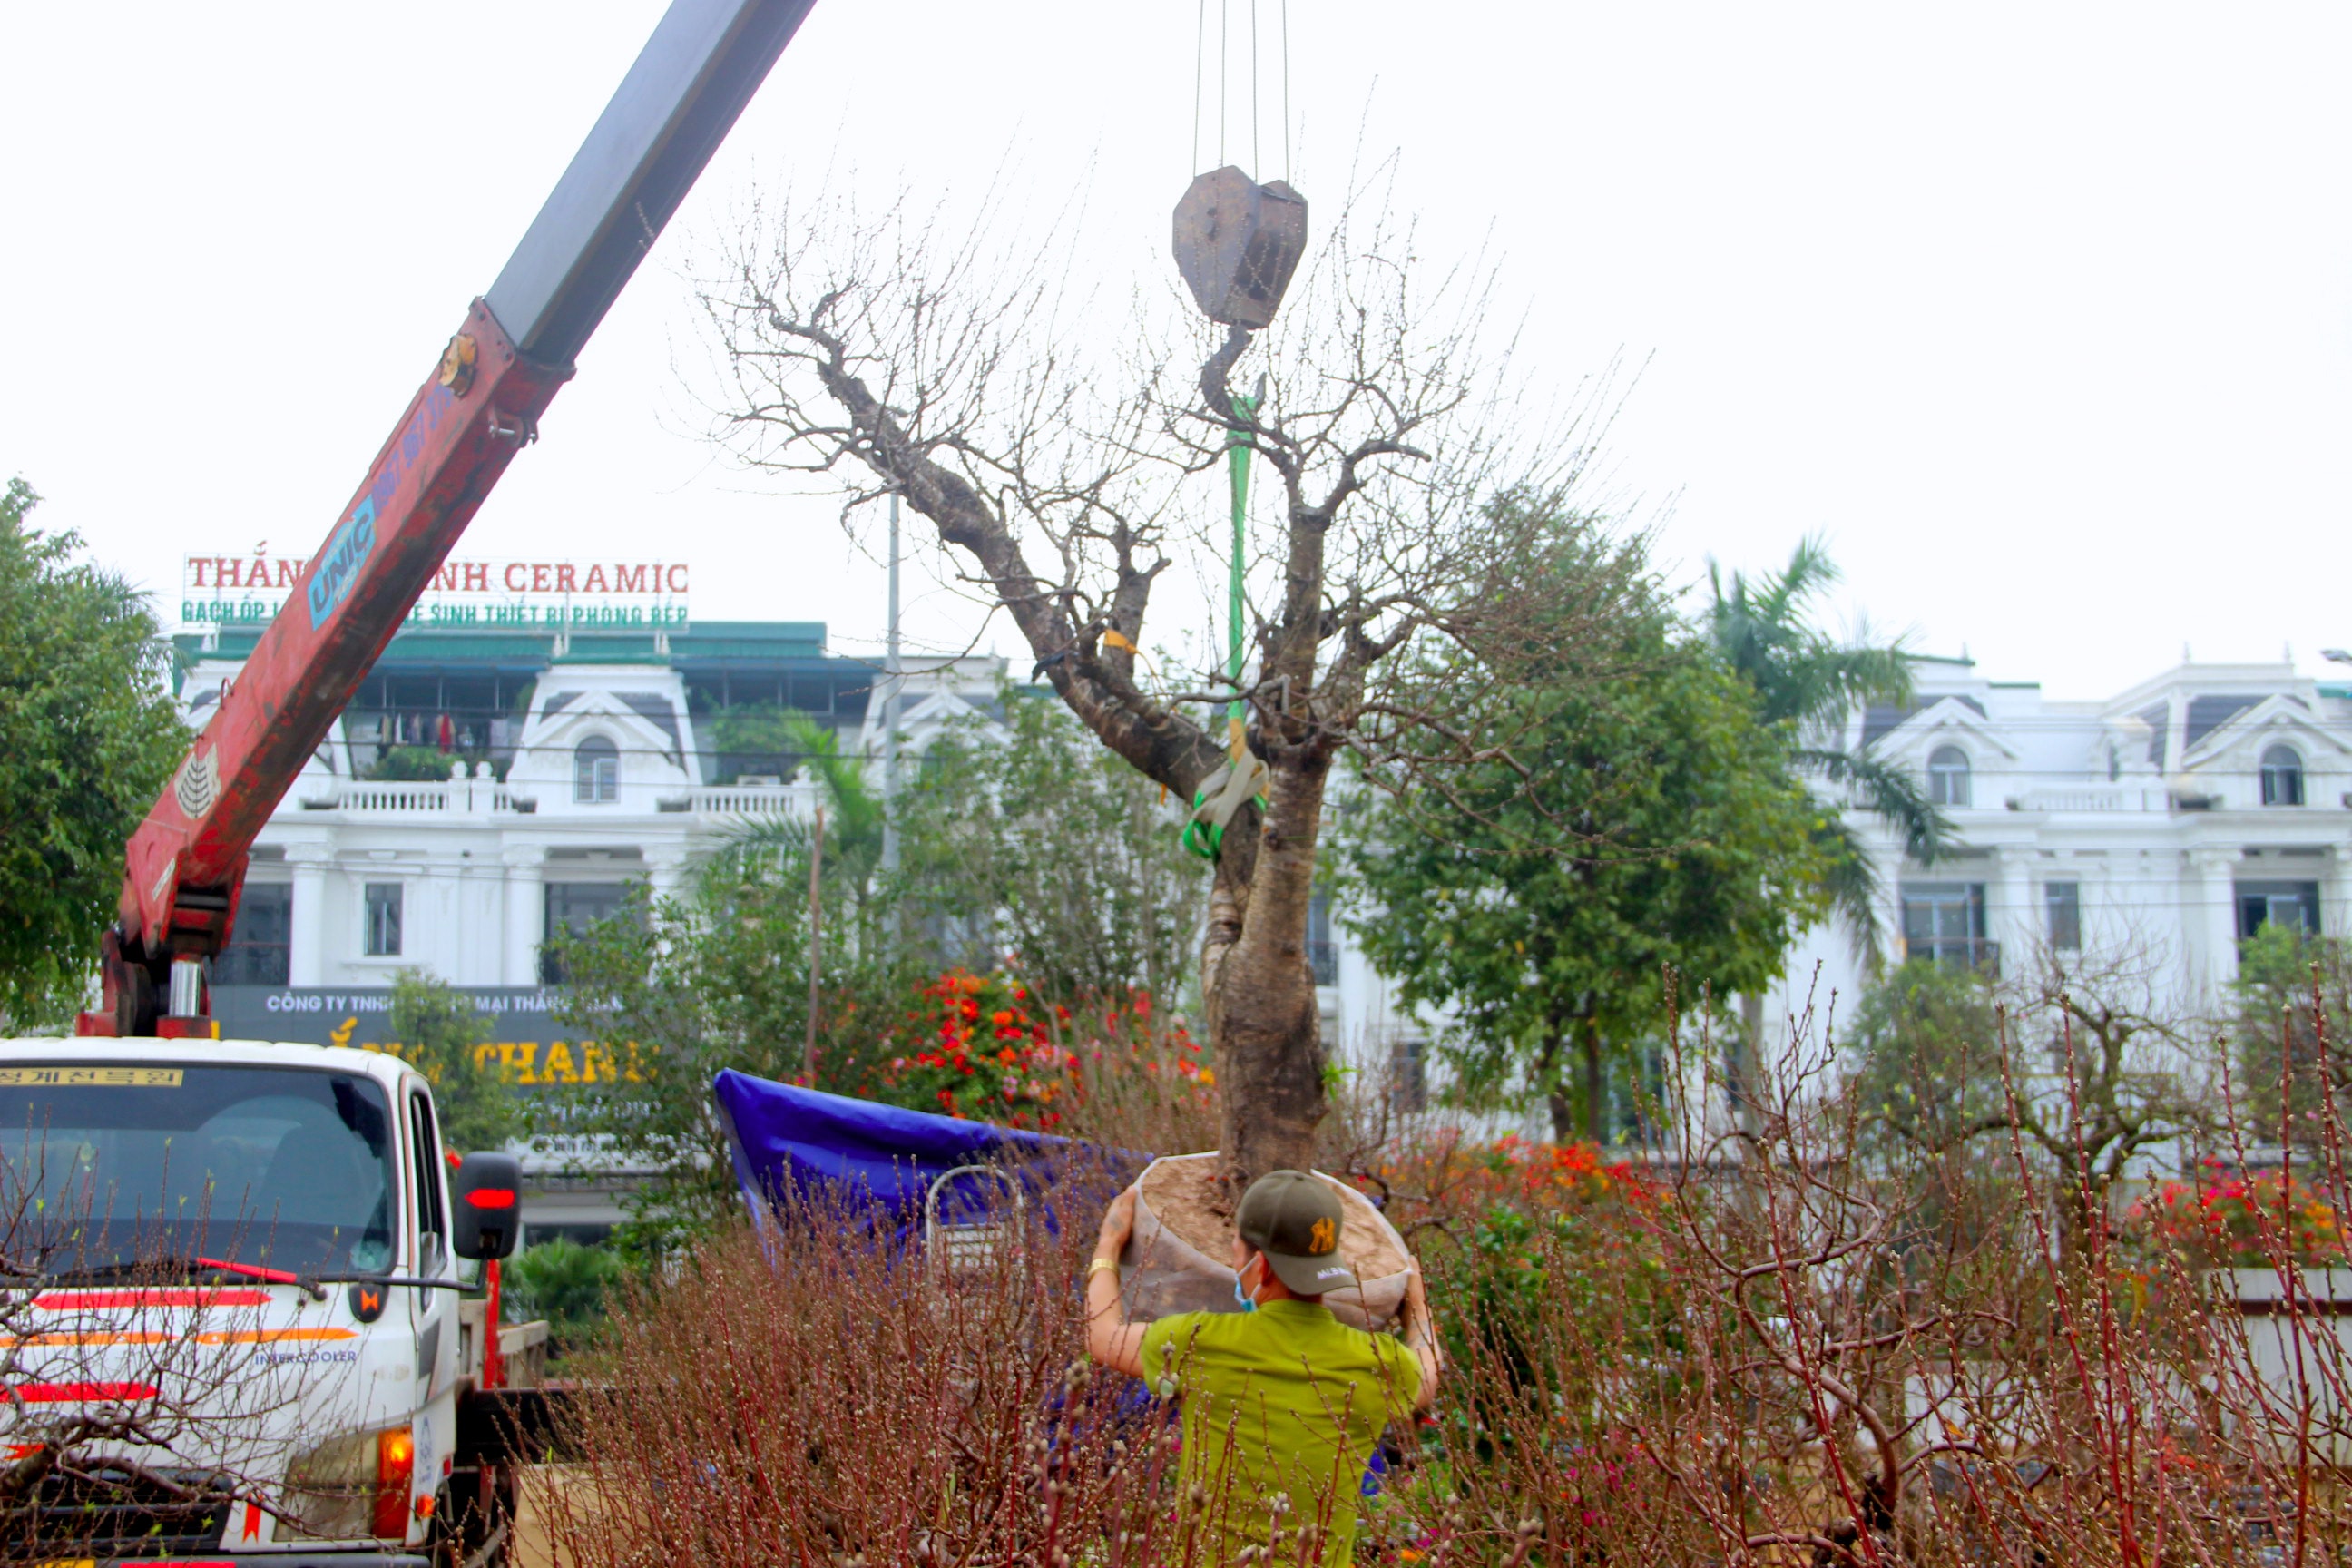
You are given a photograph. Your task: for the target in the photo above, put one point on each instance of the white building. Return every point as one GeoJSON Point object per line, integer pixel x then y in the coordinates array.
{"type": "Point", "coordinates": [2162, 825]}
{"type": "Point", "coordinates": [2168, 822]}
{"type": "Point", "coordinates": [2171, 820]}
{"type": "Point", "coordinates": [574, 769]}
{"type": "Point", "coordinates": [561, 771]}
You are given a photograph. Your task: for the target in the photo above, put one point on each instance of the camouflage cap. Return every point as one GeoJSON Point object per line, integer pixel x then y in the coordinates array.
{"type": "Point", "coordinates": [1294, 1218]}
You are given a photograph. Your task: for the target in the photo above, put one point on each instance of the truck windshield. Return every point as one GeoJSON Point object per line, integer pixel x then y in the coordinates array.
{"type": "Point", "coordinates": [108, 1166]}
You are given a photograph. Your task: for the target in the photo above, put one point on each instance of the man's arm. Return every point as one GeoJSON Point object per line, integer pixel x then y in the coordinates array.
{"type": "Point", "coordinates": [1420, 1331]}
{"type": "Point", "coordinates": [1111, 1340]}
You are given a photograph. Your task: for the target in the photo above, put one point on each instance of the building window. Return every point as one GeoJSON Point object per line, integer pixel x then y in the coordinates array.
{"type": "Point", "coordinates": [2294, 905]}
{"type": "Point", "coordinates": [571, 909]}
{"type": "Point", "coordinates": [2063, 901]}
{"type": "Point", "coordinates": [2282, 776]}
{"type": "Point", "coordinates": [1944, 923]}
{"type": "Point", "coordinates": [596, 771]}
{"type": "Point", "coordinates": [1947, 776]}
{"type": "Point", "coordinates": [382, 936]}
{"type": "Point", "coordinates": [1322, 952]}
{"type": "Point", "coordinates": [259, 949]}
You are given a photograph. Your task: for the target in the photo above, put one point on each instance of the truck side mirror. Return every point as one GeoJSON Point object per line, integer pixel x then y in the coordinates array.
{"type": "Point", "coordinates": [486, 1193]}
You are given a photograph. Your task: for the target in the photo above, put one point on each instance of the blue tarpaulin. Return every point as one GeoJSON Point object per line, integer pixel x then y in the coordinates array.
{"type": "Point", "coordinates": [787, 1139]}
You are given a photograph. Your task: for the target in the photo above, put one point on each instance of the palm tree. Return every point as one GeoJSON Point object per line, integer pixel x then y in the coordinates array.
{"type": "Point", "coordinates": [852, 852]}
{"type": "Point", "coordinates": [1808, 680]}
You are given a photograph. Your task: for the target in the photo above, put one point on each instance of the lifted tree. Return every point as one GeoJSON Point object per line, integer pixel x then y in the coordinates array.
{"type": "Point", "coordinates": [946, 370]}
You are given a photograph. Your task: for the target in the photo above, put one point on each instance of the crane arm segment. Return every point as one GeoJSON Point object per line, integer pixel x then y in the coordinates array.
{"type": "Point", "coordinates": [185, 864]}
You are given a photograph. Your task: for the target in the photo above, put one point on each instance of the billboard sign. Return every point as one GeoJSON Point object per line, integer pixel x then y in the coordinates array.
{"type": "Point", "coordinates": [246, 590]}
{"type": "Point", "coordinates": [526, 1045]}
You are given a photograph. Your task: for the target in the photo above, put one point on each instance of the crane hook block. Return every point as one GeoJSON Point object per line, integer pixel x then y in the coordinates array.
{"type": "Point", "coordinates": [1237, 243]}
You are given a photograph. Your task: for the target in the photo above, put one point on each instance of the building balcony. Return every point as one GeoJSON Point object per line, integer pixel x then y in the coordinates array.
{"type": "Point", "coordinates": [407, 800]}
{"type": "Point", "coordinates": [475, 798]}
{"type": "Point", "coordinates": [756, 802]}
{"type": "Point", "coordinates": [2100, 799]}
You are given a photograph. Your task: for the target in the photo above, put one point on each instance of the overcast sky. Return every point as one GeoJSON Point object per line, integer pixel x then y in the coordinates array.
{"type": "Point", "coordinates": [2038, 313]}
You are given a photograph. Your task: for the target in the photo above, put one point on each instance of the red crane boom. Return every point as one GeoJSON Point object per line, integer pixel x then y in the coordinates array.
{"type": "Point", "coordinates": [186, 866]}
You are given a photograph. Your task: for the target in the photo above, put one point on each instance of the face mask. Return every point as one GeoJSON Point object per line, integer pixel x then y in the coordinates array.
{"type": "Point", "coordinates": [1242, 1296]}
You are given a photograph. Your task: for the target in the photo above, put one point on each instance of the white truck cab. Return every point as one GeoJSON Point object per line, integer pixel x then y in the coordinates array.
{"type": "Point", "coordinates": [240, 1266]}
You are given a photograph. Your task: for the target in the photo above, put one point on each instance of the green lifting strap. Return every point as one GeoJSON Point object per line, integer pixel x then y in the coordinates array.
{"type": "Point", "coordinates": [1220, 799]}
{"type": "Point", "coordinates": [1243, 776]}
{"type": "Point", "coordinates": [1237, 467]}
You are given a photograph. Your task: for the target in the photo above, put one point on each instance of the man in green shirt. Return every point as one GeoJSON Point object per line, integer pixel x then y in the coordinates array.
{"type": "Point", "coordinates": [1282, 1403]}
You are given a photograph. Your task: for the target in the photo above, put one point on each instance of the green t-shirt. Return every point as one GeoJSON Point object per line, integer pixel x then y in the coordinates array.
{"type": "Point", "coordinates": [1281, 1410]}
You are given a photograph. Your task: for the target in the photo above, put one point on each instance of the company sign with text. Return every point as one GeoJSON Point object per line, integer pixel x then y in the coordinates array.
{"type": "Point", "coordinates": [248, 589]}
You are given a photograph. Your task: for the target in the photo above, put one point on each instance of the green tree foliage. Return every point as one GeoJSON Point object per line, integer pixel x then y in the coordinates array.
{"type": "Point", "coordinates": [565, 1283]}
{"type": "Point", "coordinates": [716, 978]}
{"type": "Point", "coordinates": [1636, 818]}
{"type": "Point", "coordinates": [437, 1026]}
{"type": "Point", "coordinates": [758, 729]}
{"type": "Point", "coordinates": [411, 764]}
{"type": "Point", "coordinates": [1927, 1036]}
{"type": "Point", "coordinates": [2282, 973]}
{"type": "Point", "coordinates": [2101, 1069]}
{"type": "Point", "coordinates": [1039, 846]}
{"type": "Point", "coordinates": [1810, 683]}
{"type": "Point", "coordinates": [1041, 851]}
{"type": "Point", "coordinates": [853, 830]}
{"type": "Point", "coordinates": [89, 735]}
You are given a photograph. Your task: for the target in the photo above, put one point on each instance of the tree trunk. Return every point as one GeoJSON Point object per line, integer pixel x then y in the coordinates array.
{"type": "Point", "coordinates": [1263, 1015]}
{"type": "Point", "coordinates": [1748, 1064]}
{"type": "Point", "coordinates": [1547, 1073]}
{"type": "Point", "coordinates": [1263, 1021]}
{"type": "Point", "coordinates": [1562, 1106]}
{"type": "Point", "coordinates": [1595, 1101]}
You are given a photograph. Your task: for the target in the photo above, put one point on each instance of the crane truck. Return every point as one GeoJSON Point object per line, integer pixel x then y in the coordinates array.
{"type": "Point", "coordinates": [243, 1260]}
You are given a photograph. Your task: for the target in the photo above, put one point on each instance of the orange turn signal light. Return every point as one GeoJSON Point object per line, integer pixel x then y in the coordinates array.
{"type": "Point", "coordinates": [395, 1465]}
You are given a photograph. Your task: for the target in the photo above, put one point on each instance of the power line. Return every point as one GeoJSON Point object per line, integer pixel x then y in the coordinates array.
{"type": "Point", "coordinates": [1199, 41]}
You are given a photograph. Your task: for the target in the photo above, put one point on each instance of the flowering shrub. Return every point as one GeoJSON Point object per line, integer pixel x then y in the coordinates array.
{"type": "Point", "coordinates": [981, 1046]}
{"type": "Point", "coordinates": [2224, 1221]}
{"type": "Point", "coordinates": [1558, 1175]}
{"type": "Point", "coordinates": [1445, 1179]}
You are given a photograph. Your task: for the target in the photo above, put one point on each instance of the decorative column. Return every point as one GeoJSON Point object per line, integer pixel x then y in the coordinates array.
{"type": "Point", "coordinates": [2213, 904]}
{"type": "Point", "coordinates": [2013, 921]}
{"type": "Point", "coordinates": [665, 871]}
{"type": "Point", "coordinates": [2103, 919]}
{"type": "Point", "coordinates": [305, 953]}
{"type": "Point", "coordinates": [2335, 913]}
{"type": "Point", "coordinates": [526, 913]}
{"type": "Point", "coordinates": [1889, 853]}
